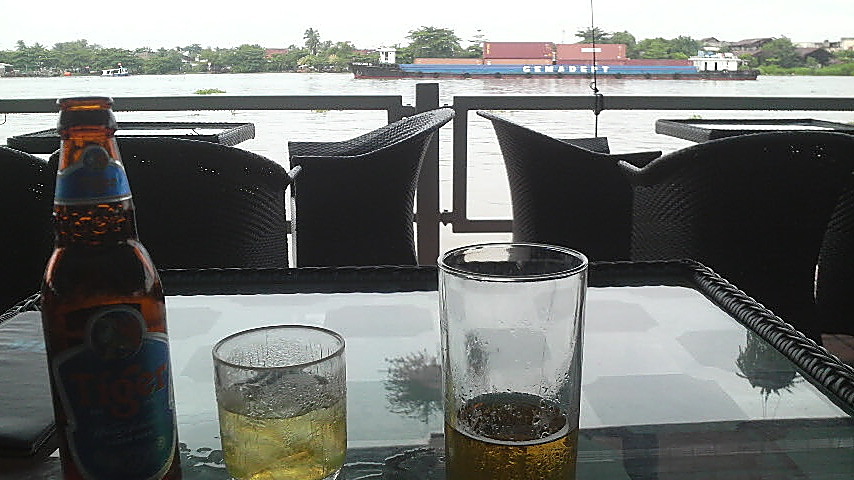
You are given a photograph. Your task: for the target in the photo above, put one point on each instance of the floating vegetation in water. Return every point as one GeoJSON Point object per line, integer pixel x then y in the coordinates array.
{"type": "Point", "coordinates": [209, 91]}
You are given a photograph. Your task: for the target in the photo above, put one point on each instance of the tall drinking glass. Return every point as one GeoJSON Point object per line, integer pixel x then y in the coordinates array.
{"type": "Point", "coordinates": [511, 319]}
{"type": "Point", "coordinates": [281, 395]}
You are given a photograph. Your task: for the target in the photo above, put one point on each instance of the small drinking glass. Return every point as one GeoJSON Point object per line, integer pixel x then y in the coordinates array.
{"type": "Point", "coordinates": [511, 318]}
{"type": "Point", "coordinates": [281, 396]}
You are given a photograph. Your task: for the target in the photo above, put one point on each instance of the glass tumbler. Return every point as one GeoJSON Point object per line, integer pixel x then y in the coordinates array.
{"type": "Point", "coordinates": [281, 396]}
{"type": "Point", "coordinates": [511, 320]}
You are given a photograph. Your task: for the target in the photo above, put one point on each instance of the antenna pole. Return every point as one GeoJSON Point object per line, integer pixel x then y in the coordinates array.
{"type": "Point", "coordinates": [597, 97]}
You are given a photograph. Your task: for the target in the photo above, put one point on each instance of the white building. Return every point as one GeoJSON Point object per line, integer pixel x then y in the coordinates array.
{"type": "Point", "coordinates": [387, 55]}
{"type": "Point", "coordinates": [709, 59]}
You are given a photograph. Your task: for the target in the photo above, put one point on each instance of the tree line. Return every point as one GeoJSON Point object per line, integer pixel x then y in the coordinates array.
{"type": "Point", "coordinates": [315, 54]}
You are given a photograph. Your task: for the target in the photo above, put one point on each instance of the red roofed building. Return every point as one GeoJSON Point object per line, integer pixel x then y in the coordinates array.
{"type": "Point", "coordinates": [271, 52]}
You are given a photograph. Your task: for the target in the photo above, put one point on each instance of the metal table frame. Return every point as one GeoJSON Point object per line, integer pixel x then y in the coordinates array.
{"type": "Point", "coordinates": [701, 130]}
{"type": "Point", "coordinates": [833, 378]}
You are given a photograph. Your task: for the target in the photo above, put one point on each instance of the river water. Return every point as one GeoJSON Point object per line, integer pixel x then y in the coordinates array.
{"type": "Point", "coordinates": [488, 191]}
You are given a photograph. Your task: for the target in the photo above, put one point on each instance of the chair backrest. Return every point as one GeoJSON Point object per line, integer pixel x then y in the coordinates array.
{"type": "Point", "coordinates": [835, 276]}
{"type": "Point", "coordinates": [26, 200]}
{"type": "Point", "coordinates": [353, 200]}
{"type": "Point", "coordinates": [564, 194]}
{"type": "Point", "coordinates": [752, 207]}
{"type": "Point", "coordinates": [205, 205]}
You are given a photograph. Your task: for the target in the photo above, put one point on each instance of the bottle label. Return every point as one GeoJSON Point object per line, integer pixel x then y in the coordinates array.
{"type": "Point", "coordinates": [117, 395]}
{"type": "Point", "coordinates": [96, 177]}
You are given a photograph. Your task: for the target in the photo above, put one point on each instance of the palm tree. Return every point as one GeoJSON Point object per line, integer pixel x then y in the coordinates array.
{"type": "Point", "coordinates": [312, 40]}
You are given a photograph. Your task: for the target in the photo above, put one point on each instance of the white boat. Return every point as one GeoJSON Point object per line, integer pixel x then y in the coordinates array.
{"type": "Point", "coordinates": [115, 72]}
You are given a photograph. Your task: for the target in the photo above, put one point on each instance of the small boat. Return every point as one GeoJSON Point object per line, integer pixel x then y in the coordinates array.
{"type": "Point", "coordinates": [115, 72]}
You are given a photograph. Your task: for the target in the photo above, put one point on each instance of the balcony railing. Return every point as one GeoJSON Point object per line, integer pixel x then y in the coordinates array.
{"type": "Point", "coordinates": [428, 213]}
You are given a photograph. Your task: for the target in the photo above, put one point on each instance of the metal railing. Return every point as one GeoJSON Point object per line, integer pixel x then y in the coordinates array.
{"type": "Point", "coordinates": [428, 214]}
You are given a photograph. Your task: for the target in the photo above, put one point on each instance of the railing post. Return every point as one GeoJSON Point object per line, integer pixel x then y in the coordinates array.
{"type": "Point", "coordinates": [427, 199]}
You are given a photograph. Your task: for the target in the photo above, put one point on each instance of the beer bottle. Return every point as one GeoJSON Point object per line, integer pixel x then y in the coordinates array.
{"type": "Point", "coordinates": [104, 315]}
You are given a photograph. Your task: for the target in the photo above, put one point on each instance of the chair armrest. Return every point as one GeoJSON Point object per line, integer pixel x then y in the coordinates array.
{"type": "Point", "coordinates": [319, 149]}
{"type": "Point", "coordinates": [292, 173]}
{"type": "Point", "coordinates": [638, 159]}
{"type": "Point", "coordinates": [594, 144]}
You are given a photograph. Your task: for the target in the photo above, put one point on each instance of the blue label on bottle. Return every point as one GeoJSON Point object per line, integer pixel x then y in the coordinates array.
{"type": "Point", "coordinates": [117, 394]}
{"type": "Point", "coordinates": [95, 177]}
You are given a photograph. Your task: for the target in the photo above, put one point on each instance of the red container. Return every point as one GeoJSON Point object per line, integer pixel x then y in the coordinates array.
{"type": "Point", "coordinates": [448, 61]}
{"type": "Point", "coordinates": [518, 50]}
{"type": "Point", "coordinates": [583, 52]}
{"type": "Point", "coordinates": [662, 62]}
{"type": "Point", "coordinates": [517, 61]}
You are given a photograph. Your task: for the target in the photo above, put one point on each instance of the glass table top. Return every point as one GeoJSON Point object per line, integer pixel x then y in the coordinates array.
{"type": "Point", "coordinates": [646, 361]}
{"type": "Point", "coordinates": [673, 387]}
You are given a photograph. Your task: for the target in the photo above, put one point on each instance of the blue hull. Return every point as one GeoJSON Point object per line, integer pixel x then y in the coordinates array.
{"type": "Point", "coordinates": [554, 71]}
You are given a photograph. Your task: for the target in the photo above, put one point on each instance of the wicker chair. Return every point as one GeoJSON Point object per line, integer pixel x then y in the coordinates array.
{"type": "Point", "coordinates": [353, 200]}
{"type": "Point", "coordinates": [752, 207]}
{"type": "Point", "coordinates": [835, 277]}
{"type": "Point", "coordinates": [26, 200]}
{"type": "Point", "coordinates": [205, 205]}
{"type": "Point", "coordinates": [567, 195]}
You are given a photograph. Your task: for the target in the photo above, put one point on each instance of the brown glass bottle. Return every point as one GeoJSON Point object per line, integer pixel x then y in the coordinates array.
{"type": "Point", "coordinates": [104, 314]}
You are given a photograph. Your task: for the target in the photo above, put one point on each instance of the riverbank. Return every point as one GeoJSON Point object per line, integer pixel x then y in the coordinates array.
{"type": "Point", "coordinates": [836, 70]}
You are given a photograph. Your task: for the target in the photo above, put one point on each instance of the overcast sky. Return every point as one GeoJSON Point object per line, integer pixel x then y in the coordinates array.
{"type": "Point", "coordinates": [374, 23]}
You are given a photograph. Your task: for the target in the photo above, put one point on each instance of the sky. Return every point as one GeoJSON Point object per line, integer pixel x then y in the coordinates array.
{"type": "Point", "coordinates": [376, 23]}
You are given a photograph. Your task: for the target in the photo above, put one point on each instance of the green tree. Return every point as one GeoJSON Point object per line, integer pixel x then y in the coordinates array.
{"type": "Point", "coordinates": [587, 35]}
{"type": "Point", "coordinates": [404, 54]}
{"type": "Point", "coordinates": [193, 50]}
{"type": "Point", "coordinates": [312, 40]}
{"type": "Point", "coordinates": [163, 61]}
{"type": "Point", "coordinates": [687, 46]}
{"type": "Point", "coordinates": [749, 60]}
{"type": "Point", "coordinates": [247, 59]}
{"type": "Point", "coordinates": [292, 58]}
{"type": "Point", "coordinates": [31, 59]}
{"type": "Point", "coordinates": [434, 42]}
{"type": "Point", "coordinates": [475, 49]}
{"type": "Point", "coordinates": [780, 52]}
{"type": "Point", "coordinates": [112, 57]}
{"type": "Point", "coordinates": [628, 40]}
{"type": "Point", "coordinates": [653, 48]}
{"type": "Point", "coordinates": [75, 56]}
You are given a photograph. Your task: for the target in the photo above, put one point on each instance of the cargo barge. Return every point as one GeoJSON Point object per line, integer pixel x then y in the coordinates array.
{"type": "Point", "coordinates": [545, 60]}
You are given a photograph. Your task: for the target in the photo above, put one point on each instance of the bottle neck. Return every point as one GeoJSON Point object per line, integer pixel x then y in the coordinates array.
{"type": "Point", "coordinates": [92, 202]}
{"type": "Point", "coordinates": [100, 224]}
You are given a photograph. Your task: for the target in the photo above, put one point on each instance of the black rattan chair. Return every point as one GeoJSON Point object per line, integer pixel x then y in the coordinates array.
{"type": "Point", "coordinates": [205, 205]}
{"type": "Point", "coordinates": [26, 200]}
{"type": "Point", "coordinates": [754, 208]}
{"type": "Point", "coordinates": [353, 200]}
{"type": "Point", "coordinates": [835, 277]}
{"type": "Point", "coordinates": [564, 194]}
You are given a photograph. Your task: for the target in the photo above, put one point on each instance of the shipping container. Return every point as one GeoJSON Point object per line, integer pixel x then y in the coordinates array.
{"type": "Point", "coordinates": [518, 50]}
{"type": "Point", "coordinates": [662, 62]}
{"type": "Point", "coordinates": [448, 61]}
{"type": "Point", "coordinates": [583, 52]}
{"type": "Point", "coordinates": [517, 61]}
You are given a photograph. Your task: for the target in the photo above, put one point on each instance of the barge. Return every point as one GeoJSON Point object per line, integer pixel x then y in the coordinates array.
{"type": "Point", "coordinates": [561, 61]}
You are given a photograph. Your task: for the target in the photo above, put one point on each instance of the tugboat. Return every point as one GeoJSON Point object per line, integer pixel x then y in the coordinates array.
{"type": "Point", "coordinates": [120, 71]}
